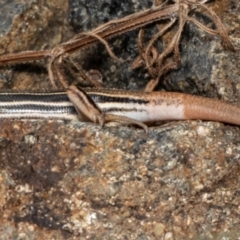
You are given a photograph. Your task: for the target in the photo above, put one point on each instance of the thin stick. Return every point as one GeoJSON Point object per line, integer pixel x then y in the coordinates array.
{"type": "Point", "coordinates": [179, 9]}
{"type": "Point", "coordinates": [109, 30]}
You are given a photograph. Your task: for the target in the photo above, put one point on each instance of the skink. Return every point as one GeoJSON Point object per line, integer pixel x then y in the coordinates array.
{"type": "Point", "coordinates": [36, 105]}
{"type": "Point", "coordinates": [105, 105]}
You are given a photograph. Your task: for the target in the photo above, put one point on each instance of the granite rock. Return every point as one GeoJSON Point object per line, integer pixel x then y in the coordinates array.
{"type": "Point", "coordinates": [71, 180]}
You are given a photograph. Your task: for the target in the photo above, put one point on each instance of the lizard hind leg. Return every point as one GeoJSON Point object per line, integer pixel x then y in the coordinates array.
{"type": "Point", "coordinates": [124, 120]}
{"type": "Point", "coordinates": [86, 106]}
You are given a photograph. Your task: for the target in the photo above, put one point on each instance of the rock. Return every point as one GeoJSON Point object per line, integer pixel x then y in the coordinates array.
{"type": "Point", "coordinates": [63, 180]}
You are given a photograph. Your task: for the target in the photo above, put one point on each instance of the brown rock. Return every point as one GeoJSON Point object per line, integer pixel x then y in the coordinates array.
{"type": "Point", "coordinates": [74, 180]}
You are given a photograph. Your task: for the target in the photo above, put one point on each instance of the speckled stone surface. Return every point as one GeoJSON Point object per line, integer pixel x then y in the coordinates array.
{"type": "Point", "coordinates": [70, 180]}
{"type": "Point", "coordinates": [78, 180]}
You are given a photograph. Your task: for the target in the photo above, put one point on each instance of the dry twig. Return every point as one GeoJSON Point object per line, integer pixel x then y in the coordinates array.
{"type": "Point", "coordinates": [156, 63]}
